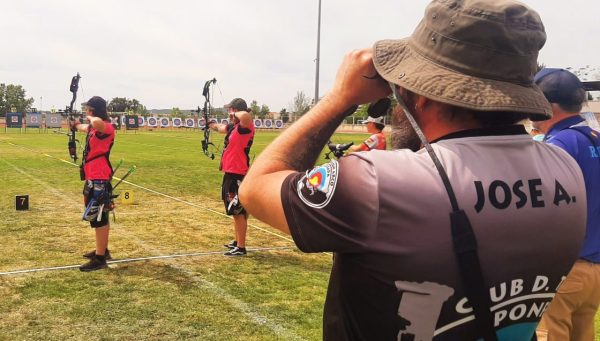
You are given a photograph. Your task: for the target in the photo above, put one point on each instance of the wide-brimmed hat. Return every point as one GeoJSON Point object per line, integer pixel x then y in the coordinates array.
{"type": "Point", "coordinates": [480, 55]}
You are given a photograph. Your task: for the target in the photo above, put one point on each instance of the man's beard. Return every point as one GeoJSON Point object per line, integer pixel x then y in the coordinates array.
{"type": "Point", "coordinates": [403, 134]}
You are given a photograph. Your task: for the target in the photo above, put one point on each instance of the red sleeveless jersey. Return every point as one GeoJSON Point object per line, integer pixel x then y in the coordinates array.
{"type": "Point", "coordinates": [98, 167]}
{"type": "Point", "coordinates": [235, 158]}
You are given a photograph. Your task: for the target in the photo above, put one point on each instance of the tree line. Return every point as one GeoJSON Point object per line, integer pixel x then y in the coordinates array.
{"type": "Point", "coordinates": [13, 96]}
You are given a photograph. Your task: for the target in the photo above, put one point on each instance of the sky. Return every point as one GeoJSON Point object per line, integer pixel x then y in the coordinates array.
{"type": "Point", "coordinates": [162, 52]}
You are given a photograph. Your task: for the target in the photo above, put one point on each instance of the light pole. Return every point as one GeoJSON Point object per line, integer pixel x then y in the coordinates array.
{"type": "Point", "coordinates": [317, 60]}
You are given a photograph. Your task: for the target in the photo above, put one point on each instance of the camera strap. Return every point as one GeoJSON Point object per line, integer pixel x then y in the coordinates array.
{"type": "Point", "coordinates": [464, 241]}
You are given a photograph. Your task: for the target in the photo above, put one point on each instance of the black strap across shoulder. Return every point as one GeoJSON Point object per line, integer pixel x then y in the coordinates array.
{"type": "Point", "coordinates": [465, 245]}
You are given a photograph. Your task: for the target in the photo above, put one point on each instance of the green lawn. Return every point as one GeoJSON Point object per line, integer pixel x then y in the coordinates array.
{"type": "Point", "coordinates": [275, 293]}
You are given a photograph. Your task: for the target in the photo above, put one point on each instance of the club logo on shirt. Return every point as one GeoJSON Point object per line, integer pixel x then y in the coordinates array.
{"type": "Point", "coordinates": [317, 186]}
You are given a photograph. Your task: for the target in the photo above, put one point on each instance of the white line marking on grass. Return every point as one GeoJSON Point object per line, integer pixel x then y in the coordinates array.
{"type": "Point", "coordinates": [141, 259]}
{"type": "Point", "coordinates": [244, 307]}
{"type": "Point", "coordinates": [219, 292]}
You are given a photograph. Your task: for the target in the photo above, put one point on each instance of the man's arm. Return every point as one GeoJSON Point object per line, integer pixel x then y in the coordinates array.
{"type": "Point", "coordinates": [219, 127]}
{"type": "Point", "coordinates": [245, 118]}
{"type": "Point", "coordinates": [95, 122]}
{"type": "Point", "coordinates": [261, 188]}
{"type": "Point", "coordinates": [358, 148]}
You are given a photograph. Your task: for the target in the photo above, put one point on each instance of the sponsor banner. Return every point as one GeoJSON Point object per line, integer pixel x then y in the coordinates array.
{"type": "Point", "coordinates": [131, 122]}
{"type": "Point", "coordinates": [177, 122]}
{"type": "Point", "coordinates": [152, 122]}
{"type": "Point", "coordinates": [258, 123]}
{"type": "Point", "coordinates": [14, 120]}
{"type": "Point", "coordinates": [33, 120]}
{"type": "Point", "coordinates": [279, 124]}
{"type": "Point", "coordinates": [53, 120]}
{"type": "Point", "coordinates": [268, 123]}
{"type": "Point", "coordinates": [164, 122]}
{"type": "Point", "coordinates": [190, 123]}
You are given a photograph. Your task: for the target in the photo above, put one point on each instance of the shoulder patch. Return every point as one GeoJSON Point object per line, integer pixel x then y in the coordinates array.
{"type": "Point", "coordinates": [317, 186]}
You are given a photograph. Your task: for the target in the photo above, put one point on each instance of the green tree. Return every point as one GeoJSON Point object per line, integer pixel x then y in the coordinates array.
{"type": "Point", "coordinates": [254, 108]}
{"type": "Point", "coordinates": [122, 104]}
{"type": "Point", "coordinates": [175, 112]}
{"type": "Point", "coordinates": [300, 105]}
{"type": "Point", "coordinates": [118, 104]}
{"type": "Point", "coordinates": [264, 110]}
{"type": "Point", "coordinates": [284, 115]}
{"type": "Point", "coordinates": [13, 96]}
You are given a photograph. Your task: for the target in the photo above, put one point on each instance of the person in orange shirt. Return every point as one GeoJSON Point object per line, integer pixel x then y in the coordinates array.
{"type": "Point", "coordinates": [376, 140]}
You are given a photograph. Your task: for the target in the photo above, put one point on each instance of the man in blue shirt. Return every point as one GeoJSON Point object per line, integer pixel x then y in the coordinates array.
{"type": "Point", "coordinates": [570, 316]}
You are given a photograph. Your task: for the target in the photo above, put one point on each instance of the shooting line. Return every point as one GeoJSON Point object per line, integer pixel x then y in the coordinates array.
{"type": "Point", "coordinates": [142, 259]}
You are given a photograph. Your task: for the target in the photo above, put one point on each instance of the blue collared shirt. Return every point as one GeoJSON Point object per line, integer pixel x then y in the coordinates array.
{"type": "Point", "coordinates": [583, 144]}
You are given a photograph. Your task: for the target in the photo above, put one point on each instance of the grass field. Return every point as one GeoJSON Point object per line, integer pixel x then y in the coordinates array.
{"type": "Point", "coordinates": [275, 293]}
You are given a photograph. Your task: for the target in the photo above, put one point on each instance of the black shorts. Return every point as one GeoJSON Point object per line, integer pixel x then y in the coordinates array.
{"type": "Point", "coordinates": [229, 194]}
{"type": "Point", "coordinates": [87, 195]}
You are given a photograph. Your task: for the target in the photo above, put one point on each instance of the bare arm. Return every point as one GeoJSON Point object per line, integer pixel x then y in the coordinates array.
{"type": "Point", "coordinates": [260, 190]}
{"type": "Point", "coordinates": [95, 122]}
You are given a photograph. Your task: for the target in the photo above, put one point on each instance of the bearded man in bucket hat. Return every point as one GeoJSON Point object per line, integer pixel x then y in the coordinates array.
{"type": "Point", "coordinates": [449, 242]}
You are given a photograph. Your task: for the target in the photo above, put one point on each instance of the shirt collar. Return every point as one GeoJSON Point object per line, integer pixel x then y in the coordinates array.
{"type": "Point", "coordinates": [564, 124]}
{"type": "Point", "coordinates": [492, 131]}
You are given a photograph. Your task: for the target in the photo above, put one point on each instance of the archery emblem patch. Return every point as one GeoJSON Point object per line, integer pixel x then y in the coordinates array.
{"type": "Point", "coordinates": [317, 186]}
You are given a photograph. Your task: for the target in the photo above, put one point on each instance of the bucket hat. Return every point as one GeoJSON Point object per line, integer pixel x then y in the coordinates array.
{"type": "Point", "coordinates": [480, 55]}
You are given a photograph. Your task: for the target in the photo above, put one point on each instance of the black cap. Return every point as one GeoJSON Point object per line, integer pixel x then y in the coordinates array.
{"type": "Point", "coordinates": [237, 104]}
{"type": "Point", "coordinates": [560, 86]}
{"type": "Point", "coordinates": [97, 103]}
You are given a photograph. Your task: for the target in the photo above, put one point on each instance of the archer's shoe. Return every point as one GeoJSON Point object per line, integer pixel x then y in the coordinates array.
{"type": "Point", "coordinates": [92, 253]}
{"type": "Point", "coordinates": [95, 263]}
{"type": "Point", "coordinates": [236, 251]}
{"type": "Point", "coordinates": [231, 245]}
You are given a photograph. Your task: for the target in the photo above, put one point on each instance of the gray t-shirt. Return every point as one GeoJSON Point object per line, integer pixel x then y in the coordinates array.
{"type": "Point", "coordinates": [386, 215]}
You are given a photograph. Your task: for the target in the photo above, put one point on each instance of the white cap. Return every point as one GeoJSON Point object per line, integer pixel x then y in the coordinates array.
{"type": "Point", "coordinates": [375, 120]}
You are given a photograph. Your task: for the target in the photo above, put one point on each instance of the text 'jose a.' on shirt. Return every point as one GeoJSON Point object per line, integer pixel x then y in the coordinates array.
{"type": "Point", "coordinates": [386, 215]}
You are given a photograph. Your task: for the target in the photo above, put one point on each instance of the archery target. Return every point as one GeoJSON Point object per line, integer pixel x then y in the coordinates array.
{"type": "Point", "coordinates": [190, 123]}
{"type": "Point", "coordinates": [201, 123]}
{"type": "Point", "coordinates": [123, 120]}
{"type": "Point", "coordinates": [164, 122]}
{"type": "Point", "coordinates": [152, 122]}
{"type": "Point", "coordinates": [53, 120]}
{"type": "Point", "coordinates": [268, 124]}
{"type": "Point", "coordinates": [177, 122]}
{"type": "Point", "coordinates": [278, 124]}
{"type": "Point", "coordinates": [131, 122]}
{"type": "Point", "coordinates": [225, 121]}
{"type": "Point", "coordinates": [14, 120]}
{"type": "Point", "coordinates": [33, 120]}
{"type": "Point", "coordinates": [141, 121]}
{"type": "Point", "coordinates": [257, 123]}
